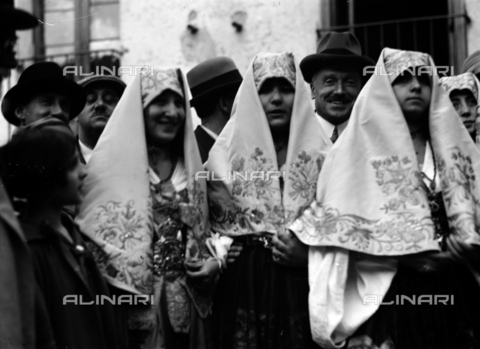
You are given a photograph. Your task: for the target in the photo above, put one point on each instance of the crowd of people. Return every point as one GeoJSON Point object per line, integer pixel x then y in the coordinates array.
{"type": "Point", "coordinates": [274, 224]}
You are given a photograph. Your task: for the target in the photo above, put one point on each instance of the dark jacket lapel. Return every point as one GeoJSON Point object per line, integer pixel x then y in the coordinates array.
{"type": "Point", "coordinates": [205, 142]}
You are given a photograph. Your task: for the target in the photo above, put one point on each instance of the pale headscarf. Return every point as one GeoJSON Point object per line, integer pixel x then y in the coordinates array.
{"type": "Point", "coordinates": [466, 81]}
{"type": "Point", "coordinates": [371, 199]}
{"type": "Point", "coordinates": [116, 212]}
{"type": "Point", "coordinates": [241, 206]}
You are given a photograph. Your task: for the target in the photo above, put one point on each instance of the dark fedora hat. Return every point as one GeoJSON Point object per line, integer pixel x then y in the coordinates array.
{"type": "Point", "coordinates": [15, 19]}
{"type": "Point", "coordinates": [99, 81]}
{"type": "Point", "coordinates": [212, 76]}
{"type": "Point", "coordinates": [40, 78]}
{"type": "Point", "coordinates": [333, 49]}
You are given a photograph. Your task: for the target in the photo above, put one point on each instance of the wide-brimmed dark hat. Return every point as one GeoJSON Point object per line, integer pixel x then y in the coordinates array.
{"type": "Point", "coordinates": [39, 78]}
{"type": "Point", "coordinates": [15, 19]}
{"type": "Point", "coordinates": [335, 49]}
{"type": "Point", "coordinates": [109, 81]}
{"type": "Point", "coordinates": [211, 77]}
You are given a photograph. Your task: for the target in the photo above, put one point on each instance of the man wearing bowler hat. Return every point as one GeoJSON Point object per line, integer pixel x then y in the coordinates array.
{"type": "Point", "coordinates": [103, 93]}
{"type": "Point", "coordinates": [335, 74]}
{"type": "Point", "coordinates": [213, 84]}
{"type": "Point", "coordinates": [42, 91]}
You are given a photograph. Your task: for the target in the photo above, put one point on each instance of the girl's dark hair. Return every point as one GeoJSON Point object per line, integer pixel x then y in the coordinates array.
{"type": "Point", "coordinates": [36, 159]}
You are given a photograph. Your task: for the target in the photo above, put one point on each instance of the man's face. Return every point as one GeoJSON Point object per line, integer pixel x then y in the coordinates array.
{"type": "Point", "coordinates": [466, 106]}
{"type": "Point", "coordinates": [43, 105]}
{"type": "Point", "coordinates": [335, 90]}
{"type": "Point", "coordinates": [99, 107]}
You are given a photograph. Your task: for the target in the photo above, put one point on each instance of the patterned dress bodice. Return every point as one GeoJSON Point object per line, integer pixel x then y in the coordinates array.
{"type": "Point", "coordinates": [439, 217]}
{"type": "Point", "coordinates": [170, 231]}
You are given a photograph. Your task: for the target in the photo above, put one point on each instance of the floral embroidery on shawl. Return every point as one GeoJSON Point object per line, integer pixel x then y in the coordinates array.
{"type": "Point", "coordinates": [158, 81]}
{"type": "Point", "coordinates": [119, 229]}
{"type": "Point", "coordinates": [458, 188]}
{"type": "Point", "coordinates": [396, 176]}
{"type": "Point", "coordinates": [260, 188]}
{"type": "Point", "coordinates": [303, 174]}
{"type": "Point", "coordinates": [466, 81]}
{"type": "Point", "coordinates": [271, 66]}
{"type": "Point", "coordinates": [397, 61]}
{"type": "Point", "coordinates": [399, 230]}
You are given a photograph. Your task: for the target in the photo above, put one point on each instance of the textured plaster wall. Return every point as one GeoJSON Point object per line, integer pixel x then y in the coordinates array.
{"type": "Point", "coordinates": [473, 29]}
{"type": "Point", "coordinates": [155, 31]}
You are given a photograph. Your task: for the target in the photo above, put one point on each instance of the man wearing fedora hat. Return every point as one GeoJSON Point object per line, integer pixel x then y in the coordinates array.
{"type": "Point", "coordinates": [24, 322]}
{"type": "Point", "coordinates": [335, 74]}
{"type": "Point", "coordinates": [42, 91]}
{"type": "Point", "coordinates": [103, 93]}
{"type": "Point", "coordinates": [213, 84]}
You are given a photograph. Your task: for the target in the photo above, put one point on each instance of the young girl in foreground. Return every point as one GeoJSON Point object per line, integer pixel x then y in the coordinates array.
{"type": "Point", "coordinates": [41, 165]}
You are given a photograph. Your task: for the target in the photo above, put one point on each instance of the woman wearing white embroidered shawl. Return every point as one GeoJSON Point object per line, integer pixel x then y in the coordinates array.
{"type": "Point", "coordinates": [148, 215]}
{"type": "Point", "coordinates": [379, 201]}
{"type": "Point", "coordinates": [464, 92]}
{"type": "Point", "coordinates": [267, 159]}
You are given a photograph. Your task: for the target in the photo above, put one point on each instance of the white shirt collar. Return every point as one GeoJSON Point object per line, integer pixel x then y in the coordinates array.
{"type": "Point", "coordinates": [86, 151]}
{"type": "Point", "coordinates": [210, 132]}
{"type": "Point", "coordinates": [329, 127]}
{"type": "Point", "coordinates": [428, 167]}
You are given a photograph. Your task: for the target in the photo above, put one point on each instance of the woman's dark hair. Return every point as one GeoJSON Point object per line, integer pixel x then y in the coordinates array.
{"type": "Point", "coordinates": [36, 159]}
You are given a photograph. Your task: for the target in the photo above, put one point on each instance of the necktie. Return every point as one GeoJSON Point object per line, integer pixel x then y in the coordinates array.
{"type": "Point", "coordinates": [334, 135]}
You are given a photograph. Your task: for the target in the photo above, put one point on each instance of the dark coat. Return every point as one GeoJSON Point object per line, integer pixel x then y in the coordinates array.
{"type": "Point", "coordinates": [62, 269]}
{"type": "Point", "coordinates": [205, 142]}
{"type": "Point", "coordinates": [23, 318]}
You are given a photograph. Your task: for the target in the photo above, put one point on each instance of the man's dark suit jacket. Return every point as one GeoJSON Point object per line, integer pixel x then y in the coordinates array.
{"type": "Point", "coordinates": [205, 142]}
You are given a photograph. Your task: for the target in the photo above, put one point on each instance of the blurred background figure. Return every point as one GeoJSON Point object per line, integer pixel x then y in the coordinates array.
{"type": "Point", "coordinates": [11, 19]}
{"type": "Point", "coordinates": [213, 84]}
{"type": "Point", "coordinates": [103, 93]}
{"type": "Point", "coordinates": [463, 91]}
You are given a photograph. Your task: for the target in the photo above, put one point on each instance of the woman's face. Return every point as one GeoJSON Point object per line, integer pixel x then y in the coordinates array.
{"type": "Point", "coordinates": [71, 192]}
{"type": "Point", "coordinates": [413, 94]}
{"type": "Point", "coordinates": [466, 106]}
{"type": "Point", "coordinates": [276, 96]}
{"type": "Point", "coordinates": [164, 117]}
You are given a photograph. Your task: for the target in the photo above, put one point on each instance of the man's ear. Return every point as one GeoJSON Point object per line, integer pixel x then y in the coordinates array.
{"type": "Point", "coordinates": [20, 113]}
{"type": "Point", "coordinates": [225, 104]}
{"type": "Point", "coordinates": [312, 91]}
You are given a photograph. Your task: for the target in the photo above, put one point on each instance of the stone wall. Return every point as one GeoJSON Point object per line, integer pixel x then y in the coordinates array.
{"type": "Point", "coordinates": [155, 32]}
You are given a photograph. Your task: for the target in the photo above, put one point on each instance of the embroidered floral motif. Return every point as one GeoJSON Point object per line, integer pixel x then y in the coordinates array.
{"type": "Point", "coordinates": [398, 231]}
{"type": "Point", "coordinates": [266, 66]}
{"type": "Point", "coordinates": [121, 240]}
{"type": "Point", "coordinates": [466, 81]}
{"type": "Point", "coordinates": [397, 61]}
{"type": "Point", "coordinates": [398, 178]}
{"type": "Point", "coordinates": [119, 224]}
{"type": "Point", "coordinates": [156, 82]}
{"type": "Point", "coordinates": [246, 185]}
{"type": "Point", "coordinates": [303, 176]}
{"type": "Point", "coordinates": [458, 187]}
